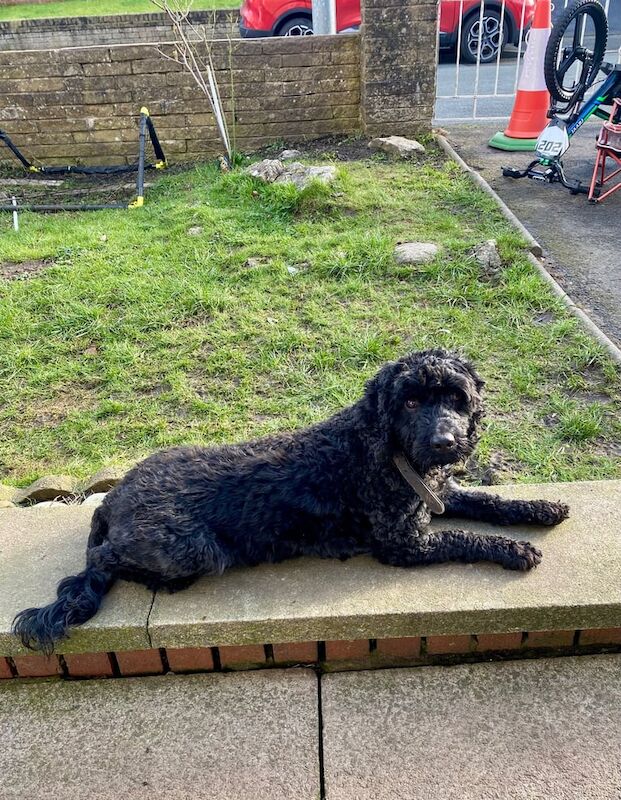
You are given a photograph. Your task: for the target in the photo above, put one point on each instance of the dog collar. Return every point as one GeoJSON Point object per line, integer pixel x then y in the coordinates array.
{"type": "Point", "coordinates": [429, 497]}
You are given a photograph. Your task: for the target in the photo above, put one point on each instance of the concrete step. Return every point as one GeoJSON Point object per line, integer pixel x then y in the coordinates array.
{"type": "Point", "coordinates": [525, 730]}
{"type": "Point", "coordinates": [200, 737]}
{"type": "Point", "coordinates": [577, 587]}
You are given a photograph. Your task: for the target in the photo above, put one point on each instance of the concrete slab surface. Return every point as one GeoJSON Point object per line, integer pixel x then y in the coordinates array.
{"type": "Point", "coordinates": [577, 585]}
{"type": "Point", "coordinates": [530, 730]}
{"type": "Point", "coordinates": [200, 737]}
{"type": "Point", "coordinates": [580, 240]}
{"type": "Point", "coordinates": [39, 547]}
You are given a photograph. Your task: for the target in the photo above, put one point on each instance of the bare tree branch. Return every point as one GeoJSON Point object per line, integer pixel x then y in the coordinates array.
{"type": "Point", "coordinates": [189, 40]}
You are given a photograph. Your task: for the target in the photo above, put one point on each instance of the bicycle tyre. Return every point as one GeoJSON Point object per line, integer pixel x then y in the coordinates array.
{"type": "Point", "coordinates": [596, 12]}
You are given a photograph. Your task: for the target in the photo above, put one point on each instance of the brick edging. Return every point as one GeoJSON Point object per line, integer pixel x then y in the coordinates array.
{"type": "Point", "coordinates": [327, 655]}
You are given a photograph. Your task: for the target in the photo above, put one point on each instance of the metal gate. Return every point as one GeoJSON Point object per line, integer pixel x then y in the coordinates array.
{"type": "Point", "coordinates": [477, 77]}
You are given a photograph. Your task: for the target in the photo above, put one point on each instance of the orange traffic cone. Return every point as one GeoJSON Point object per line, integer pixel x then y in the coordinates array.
{"type": "Point", "coordinates": [532, 101]}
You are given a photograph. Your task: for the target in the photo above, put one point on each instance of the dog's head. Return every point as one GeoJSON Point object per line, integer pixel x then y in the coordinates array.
{"type": "Point", "coordinates": [427, 405]}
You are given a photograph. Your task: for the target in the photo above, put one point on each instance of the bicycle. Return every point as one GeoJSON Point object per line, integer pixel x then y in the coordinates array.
{"type": "Point", "coordinates": [569, 111]}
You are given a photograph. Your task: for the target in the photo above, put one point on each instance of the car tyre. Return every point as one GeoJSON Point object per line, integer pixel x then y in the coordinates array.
{"type": "Point", "coordinates": [491, 42]}
{"type": "Point", "coordinates": [296, 26]}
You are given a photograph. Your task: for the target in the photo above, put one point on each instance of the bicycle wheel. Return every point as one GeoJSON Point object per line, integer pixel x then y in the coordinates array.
{"type": "Point", "coordinates": [585, 22]}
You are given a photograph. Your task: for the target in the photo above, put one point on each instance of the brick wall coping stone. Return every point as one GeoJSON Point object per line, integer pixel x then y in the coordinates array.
{"type": "Point", "coordinates": [203, 17]}
{"type": "Point", "coordinates": [578, 586]}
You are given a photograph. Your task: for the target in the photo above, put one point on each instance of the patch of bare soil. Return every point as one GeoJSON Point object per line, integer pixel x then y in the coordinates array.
{"type": "Point", "coordinates": [332, 148]}
{"type": "Point", "coordinates": [499, 469]}
{"type": "Point", "coordinates": [10, 271]}
{"type": "Point", "coordinates": [611, 449]}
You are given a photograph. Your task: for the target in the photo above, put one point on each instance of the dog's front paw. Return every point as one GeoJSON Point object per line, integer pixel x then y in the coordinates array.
{"type": "Point", "coordinates": [547, 512]}
{"type": "Point", "coordinates": [522, 556]}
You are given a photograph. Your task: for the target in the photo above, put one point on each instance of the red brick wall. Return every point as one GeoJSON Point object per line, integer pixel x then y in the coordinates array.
{"type": "Point", "coordinates": [332, 655]}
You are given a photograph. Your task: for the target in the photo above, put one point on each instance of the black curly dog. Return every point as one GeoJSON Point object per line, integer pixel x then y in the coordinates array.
{"type": "Point", "coordinates": [364, 481]}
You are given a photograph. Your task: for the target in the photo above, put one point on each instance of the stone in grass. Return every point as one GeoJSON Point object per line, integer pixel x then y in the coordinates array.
{"type": "Point", "coordinates": [195, 230]}
{"type": "Point", "coordinates": [255, 263]}
{"type": "Point", "coordinates": [397, 146]}
{"type": "Point", "coordinates": [103, 480]}
{"type": "Point", "coordinates": [94, 500]}
{"type": "Point", "coordinates": [488, 258]}
{"type": "Point", "coordinates": [50, 487]}
{"type": "Point", "coordinates": [267, 170]}
{"type": "Point", "coordinates": [289, 155]}
{"type": "Point", "coordinates": [415, 252]}
{"type": "Point", "coordinates": [274, 171]}
{"type": "Point", "coordinates": [301, 176]}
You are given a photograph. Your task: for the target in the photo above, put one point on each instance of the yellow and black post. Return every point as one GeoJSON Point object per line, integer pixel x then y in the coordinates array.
{"type": "Point", "coordinates": [142, 135]}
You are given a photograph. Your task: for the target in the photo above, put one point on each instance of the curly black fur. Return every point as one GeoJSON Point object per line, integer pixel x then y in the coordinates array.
{"type": "Point", "coordinates": [330, 490]}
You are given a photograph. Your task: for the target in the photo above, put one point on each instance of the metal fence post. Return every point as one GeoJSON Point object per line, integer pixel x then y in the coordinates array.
{"type": "Point", "coordinates": [324, 17]}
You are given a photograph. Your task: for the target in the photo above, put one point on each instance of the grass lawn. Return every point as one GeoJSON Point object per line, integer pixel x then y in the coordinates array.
{"type": "Point", "coordinates": [89, 8]}
{"type": "Point", "coordinates": [137, 335]}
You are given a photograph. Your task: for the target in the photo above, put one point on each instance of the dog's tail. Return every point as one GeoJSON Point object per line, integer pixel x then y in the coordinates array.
{"type": "Point", "coordinates": [78, 596]}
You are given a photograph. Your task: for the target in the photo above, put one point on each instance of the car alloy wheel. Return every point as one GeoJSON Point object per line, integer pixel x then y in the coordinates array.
{"type": "Point", "coordinates": [489, 31]}
{"type": "Point", "coordinates": [298, 28]}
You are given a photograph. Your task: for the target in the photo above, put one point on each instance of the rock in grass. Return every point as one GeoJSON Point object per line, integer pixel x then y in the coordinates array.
{"type": "Point", "coordinates": [274, 171]}
{"type": "Point", "coordinates": [301, 176]}
{"type": "Point", "coordinates": [415, 252]}
{"type": "Point", "coordinates": [103, 480]}
{"type": "Point", "coordinates": [397, 146]}
{"type": "Point", "coordinates": [289, 155]}
{"type": "Point", "coordinates": [267, 170]}
{"type": "Point", "coordinates": [50, 487]}
{"type": "Point", "coordinates": [488, 259]}
{"type": "Point", "coordinates": [195, 230]}
{"type": "Point", "coordinates": [94, 500]}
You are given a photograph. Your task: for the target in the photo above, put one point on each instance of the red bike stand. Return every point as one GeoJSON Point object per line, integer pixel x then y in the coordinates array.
{"type": "Point", "coordinates": [608, 146]}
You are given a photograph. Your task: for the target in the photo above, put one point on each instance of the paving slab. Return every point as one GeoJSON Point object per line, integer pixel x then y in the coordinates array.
{"type": "Point", "coordinates": [580, 239]}
{"type": "Point", "coordinates": [39, 547]}
{"type": "Point", "coordinates": [528, 730]}
{"type": "Point", "coordinates": [200, 737]}
{"type": "Point", "coordinates": [578, 585]}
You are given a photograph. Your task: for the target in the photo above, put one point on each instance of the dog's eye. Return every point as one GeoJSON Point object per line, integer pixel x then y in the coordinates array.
{"type": "Point", "coordinates": [411, 404]}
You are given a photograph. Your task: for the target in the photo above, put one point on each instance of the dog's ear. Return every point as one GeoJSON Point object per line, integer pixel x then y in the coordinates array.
{"type": "Point", "coordinates": [462, 364]}
{"type": "Point", "coordinates": [379, 404]}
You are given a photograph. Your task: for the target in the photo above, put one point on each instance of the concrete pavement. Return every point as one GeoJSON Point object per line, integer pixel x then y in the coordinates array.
{"type": "Point", "coordinates": [505, 731]}
{"type": "Point", "coordinates": [515, 730]}
{"type": "Point", "coordinates": [198, 737]}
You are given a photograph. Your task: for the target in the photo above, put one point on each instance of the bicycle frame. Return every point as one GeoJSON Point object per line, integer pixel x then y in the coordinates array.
{"type": "Point", "coordinates": [549, 169]}
{"type": "Point", "coordinates": [607, 93]}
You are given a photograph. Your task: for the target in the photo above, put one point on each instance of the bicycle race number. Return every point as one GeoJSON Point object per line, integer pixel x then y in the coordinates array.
{"type": "Point", "coordinates": [553, 141]}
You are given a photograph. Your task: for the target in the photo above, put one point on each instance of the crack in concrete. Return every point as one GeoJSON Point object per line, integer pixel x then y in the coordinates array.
{"type": "Point", "coordinates": [147, 631]}
{"type": "Point", "coordinates": [320, 753]}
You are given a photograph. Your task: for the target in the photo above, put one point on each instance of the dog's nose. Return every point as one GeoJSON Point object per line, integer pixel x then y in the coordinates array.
{"type": "Point", "coordinates": [443, 442]}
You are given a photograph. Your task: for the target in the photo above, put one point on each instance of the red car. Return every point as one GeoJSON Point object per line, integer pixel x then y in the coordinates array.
{"type": "Point", "coordinates": [294, 18]}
